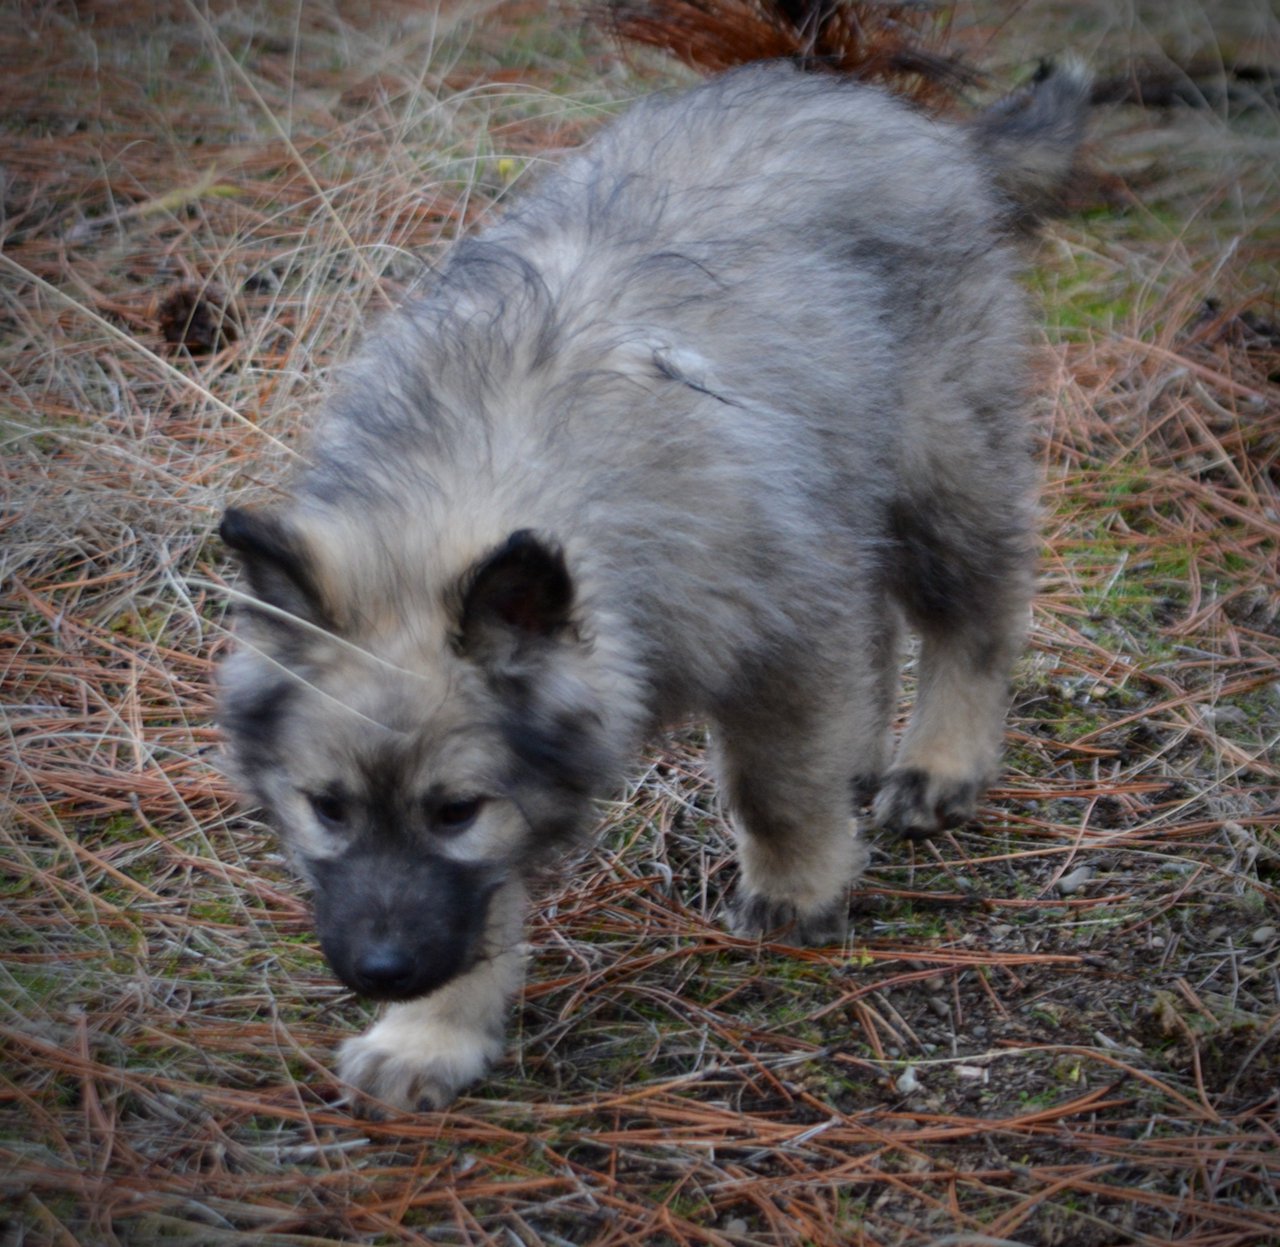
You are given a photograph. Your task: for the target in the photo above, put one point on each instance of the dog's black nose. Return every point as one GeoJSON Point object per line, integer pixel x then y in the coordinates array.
{"type": "Point", "coordinates": [384, 969]}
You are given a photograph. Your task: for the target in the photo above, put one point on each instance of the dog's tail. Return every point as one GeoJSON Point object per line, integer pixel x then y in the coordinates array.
{"type": "Point", "coordinates": [1032, 137]}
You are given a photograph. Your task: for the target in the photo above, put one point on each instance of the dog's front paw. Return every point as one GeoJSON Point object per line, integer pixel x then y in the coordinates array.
{"type": "Point", "coordinates": [757, 917]}
{"type": "Point", "coordinates": [413, 1068]}
{"type": "Point", "coordinates": [916, 803]}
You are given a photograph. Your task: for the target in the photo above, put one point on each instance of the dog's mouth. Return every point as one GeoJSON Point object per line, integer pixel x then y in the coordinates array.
{"type": "Point", "coordinates": [397, 931]}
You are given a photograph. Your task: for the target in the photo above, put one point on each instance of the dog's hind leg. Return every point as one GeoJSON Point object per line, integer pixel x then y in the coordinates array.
{"type": "Point", "coordinates": [421, 1053]}
{"type": "Point", "coordinates": [786, 764]}
{"type": "Point", "coordinates": [965, 584]}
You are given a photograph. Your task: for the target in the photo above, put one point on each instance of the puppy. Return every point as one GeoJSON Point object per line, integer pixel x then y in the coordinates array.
{"type": "Point", "coordinates": [731, 398]}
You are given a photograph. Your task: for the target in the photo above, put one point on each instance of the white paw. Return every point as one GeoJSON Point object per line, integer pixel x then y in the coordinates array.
{"type": "Point", "coordinates": [802, 877]}
{"type": "Point", "coordinates": [413, 1065]}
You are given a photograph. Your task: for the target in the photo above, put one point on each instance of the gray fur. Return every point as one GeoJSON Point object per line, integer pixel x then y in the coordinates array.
{"type": "Point", "coordinates": [735, 394]}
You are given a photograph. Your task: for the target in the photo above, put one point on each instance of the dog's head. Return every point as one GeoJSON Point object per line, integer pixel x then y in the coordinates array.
{"type": "Point", "coordinates": [417, 732]}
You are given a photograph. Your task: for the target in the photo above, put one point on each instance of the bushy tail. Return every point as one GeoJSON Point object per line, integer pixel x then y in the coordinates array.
{"type": "Point", "coordinates": [1032, 137]}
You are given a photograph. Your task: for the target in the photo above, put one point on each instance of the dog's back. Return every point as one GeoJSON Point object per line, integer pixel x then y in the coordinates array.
{"type": "Point", "coordinates": [768, 306]}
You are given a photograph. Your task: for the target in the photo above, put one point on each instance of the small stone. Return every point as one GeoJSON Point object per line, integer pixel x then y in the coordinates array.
{"type": "Point", "coordinates": [1264, 935]}
{"type": "Point", "coordinates": [1073, 882]}
{"type": "Point", "coordinates": [908, 1082]}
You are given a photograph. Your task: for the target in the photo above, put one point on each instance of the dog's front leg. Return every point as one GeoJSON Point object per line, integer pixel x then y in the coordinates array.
{"type": "Point", "coordinates": [421, 1053]}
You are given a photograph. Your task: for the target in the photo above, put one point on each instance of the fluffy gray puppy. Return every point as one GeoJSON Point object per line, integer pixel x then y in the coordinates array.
{"type": "Point", "coordinates": [694, 430]}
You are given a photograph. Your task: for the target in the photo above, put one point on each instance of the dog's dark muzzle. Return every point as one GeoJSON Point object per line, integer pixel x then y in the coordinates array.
{"type": "Point", "coordinates": [394, 928]}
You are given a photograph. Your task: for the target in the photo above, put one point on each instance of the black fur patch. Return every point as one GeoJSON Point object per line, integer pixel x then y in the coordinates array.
{"type": "Point", "coordinates": [864, 789]}
{"type": "Point", "coordinates": [935, 585]}
{"type": "Point", "coordinates": [276, 563]}
{"type": "Point", "coordinates": [951, 580]}
{"type": "Point", "coordinates": [558, 747]}
{"type": "Point", "coordinates": [755, 917]}
{"type": "Point", "coordinates": [523, 588]}
{"type": "Point", "coordinates": [425, 913]}
{"type": "Point", "coordinates": [252, 722]}
{"type": "Point", "coordinates": [907, 808]}
{"type": "Point", "coordinates": [559, 764]}
{"type": "Point", "coordinates": [389, 805]}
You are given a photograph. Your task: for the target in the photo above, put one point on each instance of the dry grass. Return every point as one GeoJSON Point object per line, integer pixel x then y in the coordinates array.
{"type": "Point", "coordinates": [1059, 1026]}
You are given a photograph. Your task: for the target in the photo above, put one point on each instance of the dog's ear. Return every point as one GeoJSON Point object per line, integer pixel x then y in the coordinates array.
{"type": "Point", "coordinates": [520, 592]}
{"type": "Point", "coordinates": [277, 564]}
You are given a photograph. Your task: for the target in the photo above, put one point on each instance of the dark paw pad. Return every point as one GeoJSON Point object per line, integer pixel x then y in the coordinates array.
{"type": "Point", "coordinates": [916, 804]}
{"type": "Point", "coordinates": [758, 917]}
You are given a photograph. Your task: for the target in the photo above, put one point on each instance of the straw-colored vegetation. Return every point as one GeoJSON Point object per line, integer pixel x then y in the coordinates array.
{"type": "Point", "coordinates": [1058, 1026]}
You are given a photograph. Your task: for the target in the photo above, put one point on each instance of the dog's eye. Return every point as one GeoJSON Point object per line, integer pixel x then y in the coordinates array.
{"type": "Point", "coordinates": [456, 816]}
{"type": "Point", "coordinates": [329, 808]}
